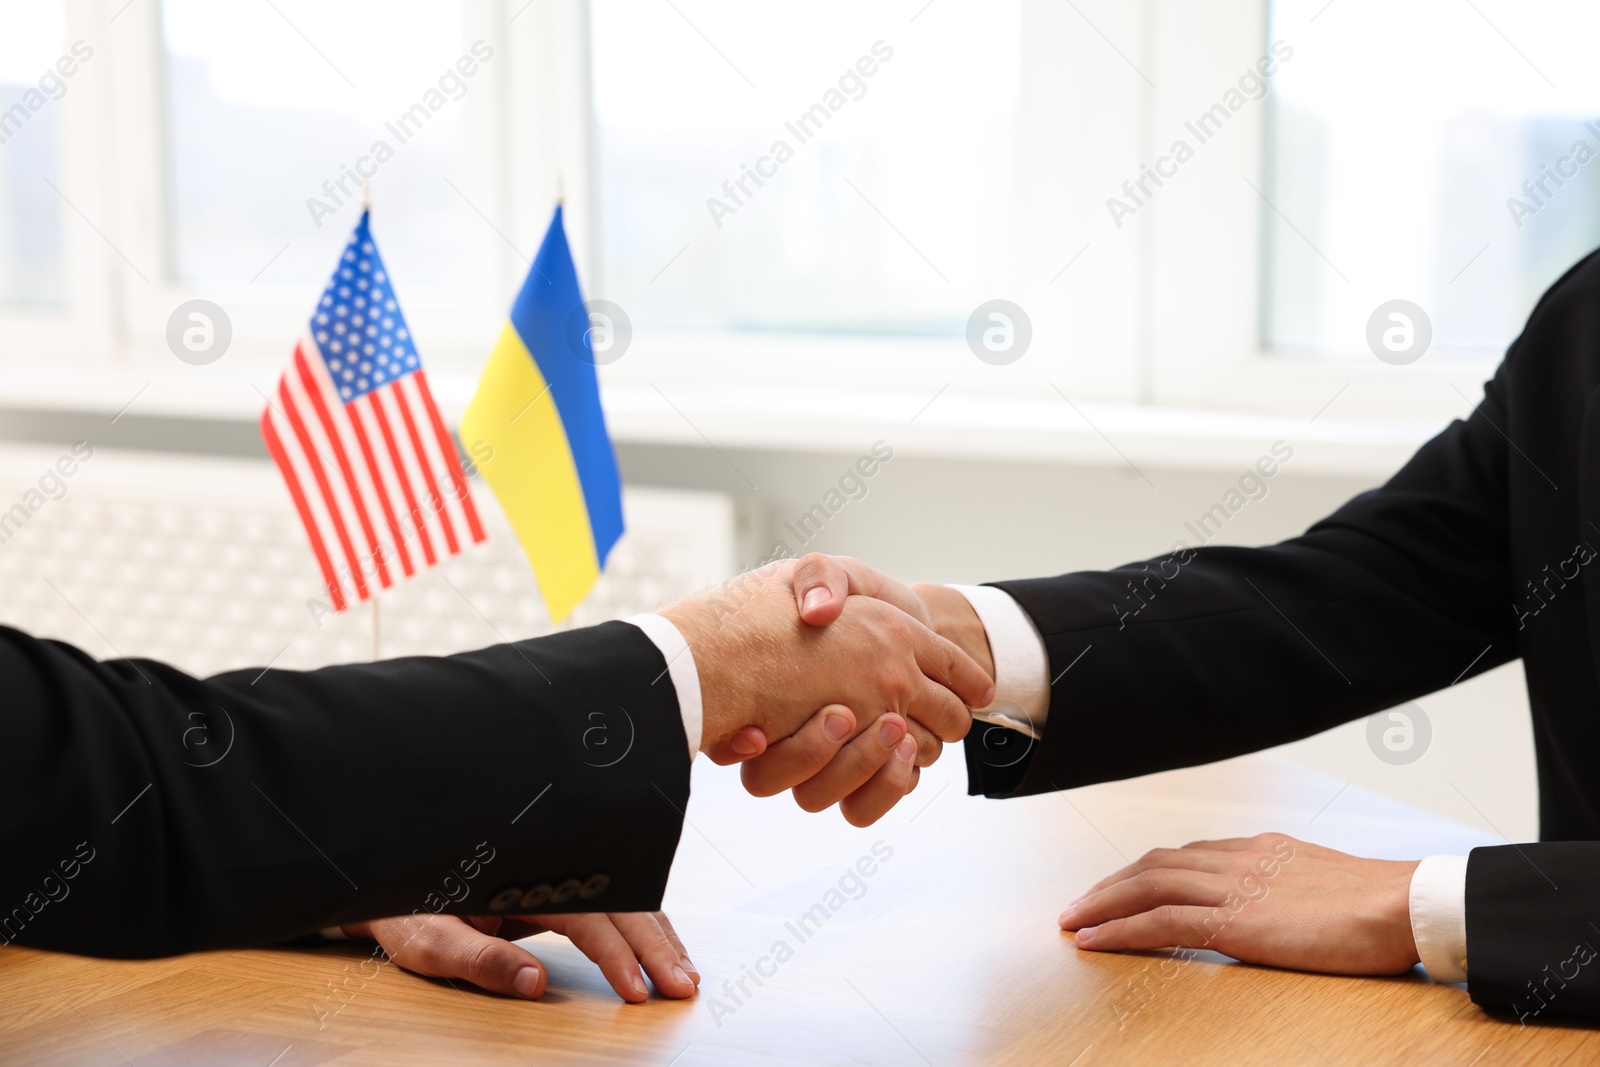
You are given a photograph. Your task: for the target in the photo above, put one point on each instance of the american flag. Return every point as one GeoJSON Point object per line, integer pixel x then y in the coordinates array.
{"type": "Point", "coordinates": [358, 438]}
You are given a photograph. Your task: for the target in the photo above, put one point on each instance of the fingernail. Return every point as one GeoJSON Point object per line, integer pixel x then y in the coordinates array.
{"type": "Point", "coordinates": [1067, 916]}
{"type": "Point", "coordinates": [815, 599]}
{"type": "Point", "coordinates": [677, 972]}
{"type": "Point", "coordinates": [743, 745]}
{"type": "Point", "coordinates": [526, 983]}
{"type": "Point", "coordinates": [1086, 935]}
{"type": "Point", "coordinates": [694, 972]}
{"type": "Point", "coordinates": [1075, 901]}
{"type": "Point", "coordinates": [637, 983]}
{"type": "Point", "coordinates": [988, 697]}
{"type": "Point", "coordinates": [907, 750]}
{"type": "Point", "coordinates": [890, 732]}
{"type": "Point", "coordinates": [836, 726]}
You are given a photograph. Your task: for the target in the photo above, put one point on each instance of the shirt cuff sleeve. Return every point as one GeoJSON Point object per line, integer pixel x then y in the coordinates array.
{"type": "Point", "coordinates": [680, 665]}
{"type": "Point", "coordinates": [1021, 665]}
{"type": "Point", "coordinates": [1439, 916]}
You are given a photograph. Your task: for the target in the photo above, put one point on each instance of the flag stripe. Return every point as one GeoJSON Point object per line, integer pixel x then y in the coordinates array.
{"type": "Point", "coordinates": [344, 487]}
{"type": "Point", "coordinates": [358, 502]}
{"type": "Point", "coordinates": [297, 494]}
{"type": "Point", "coordinates": [447, 445]}
{"type": "Point", "coordinates": [449, 504]}
{"type": "Point", "coordinates": [315, 463]}
{"type": "Point", "coordinates": [363, 440]}
{"type": "Point", "coordinates": [413, 512]}
{"type": "Point", "coordinates": [321, 528]}
{"type": "Point", "coordinates": [381, 485]}
{"type": "Point", "coordinates": [434, 499]}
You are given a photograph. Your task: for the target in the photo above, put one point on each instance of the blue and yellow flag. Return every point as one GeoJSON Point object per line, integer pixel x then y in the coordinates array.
{"type": "Point", "coordinates": [537, 409]}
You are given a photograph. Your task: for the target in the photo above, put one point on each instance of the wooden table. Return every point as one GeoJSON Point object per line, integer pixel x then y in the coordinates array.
{"type": "Point", "coordinates": [948, 953]}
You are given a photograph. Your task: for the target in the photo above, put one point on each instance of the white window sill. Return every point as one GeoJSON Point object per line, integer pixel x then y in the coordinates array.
{"type": "Point", "coordinates": [955, 423]}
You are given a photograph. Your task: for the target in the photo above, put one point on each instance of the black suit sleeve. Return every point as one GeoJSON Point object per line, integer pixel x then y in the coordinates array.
{"type": "Point", "coordinates": [144, 812]}
{"type": "Point", "coordinates": [1211, 652]}
{"type": "Point", "coordinates": [1533, 929]}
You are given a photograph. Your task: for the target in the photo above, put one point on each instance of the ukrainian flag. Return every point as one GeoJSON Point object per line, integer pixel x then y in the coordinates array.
{"type": "Point", "coordinates": [548, 458]}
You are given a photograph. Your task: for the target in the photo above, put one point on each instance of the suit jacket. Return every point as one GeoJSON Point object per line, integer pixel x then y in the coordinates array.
{"type": "Point", "coordinates": [144, 812]}
{"type": "Point", "coordinates": [1482, 549]}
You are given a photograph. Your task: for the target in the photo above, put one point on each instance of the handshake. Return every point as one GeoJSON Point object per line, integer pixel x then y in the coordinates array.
{"type": "Point", "coordinates": [823, 676]}
{"type": "Point", "coordinates": [819, 675]}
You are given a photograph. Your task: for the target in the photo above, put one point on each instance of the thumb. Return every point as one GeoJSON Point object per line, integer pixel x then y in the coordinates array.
{"type": "Point", "coordinates": [820, 585]}
{"type": "Point", "coordinates": [822, 582]}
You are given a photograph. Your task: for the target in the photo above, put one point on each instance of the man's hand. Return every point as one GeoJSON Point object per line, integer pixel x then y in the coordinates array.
{"type": "Point", "coordinates": [761, 666]}
{"type": "Point", "coordinates": [1268, 899]}
{"type": "Point", "coordinates": [480, 950]}
{"type": "Point", "coordinates": [821, 584]}
{"type": "Point", "coordinates": [870, 774]}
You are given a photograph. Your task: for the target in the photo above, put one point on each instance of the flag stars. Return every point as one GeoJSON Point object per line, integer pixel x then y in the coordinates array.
{"type": "Point", "coordinates": [358, 325]}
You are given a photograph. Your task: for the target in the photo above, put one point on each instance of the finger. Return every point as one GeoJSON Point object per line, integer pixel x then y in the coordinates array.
{"type": "Point", "coordinates": [1226, 844]}
{"type": "Point", "coordinates": [746, 744]}
{"type": "Point", "coordinates": [929, 747]}
{"type": "Point", "coordinates": [445, 947]}
{"type": "Point", "coordinates": [1145, 892]}
{"type": "Point", "coordinates": [796, 758]}
{"type": "Point", "coordinates": [855, 764]}
{"type": "Point", "coordinates": [1259, 843]}
{"type": "Point", "coordinates": [1192, 859]}
{"type": "Point", "coordinates": [598, 938]}
{"type": "Point", "coordinates": [683, 953]}
{"type": "Point", "coordinates": [939, 710]}
{"type": "Point", "coordinates": [1164, 927]}
{"type": "Point", "coordinates": [944, 662]}
{"type": "Point", "coordinates": [822, 582]}
{"type": "Point", "coordinates": [662, 956]}
{"type": "Point", "coordinates": [897, 777]}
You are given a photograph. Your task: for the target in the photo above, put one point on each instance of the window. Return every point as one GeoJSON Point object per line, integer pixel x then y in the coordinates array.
{"type": "Point", "coordinates": [32, 246]}
{"type": "Point", "coordinates": [1430, 151]}
{"type": "Point", "coordinates": [817, 167]}
{"type": "Point", "coordinates": [272, 109]}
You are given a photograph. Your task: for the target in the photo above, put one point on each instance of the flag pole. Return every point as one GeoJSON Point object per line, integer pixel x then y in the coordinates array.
{"type": "Point", "coordinates": [377, 621]}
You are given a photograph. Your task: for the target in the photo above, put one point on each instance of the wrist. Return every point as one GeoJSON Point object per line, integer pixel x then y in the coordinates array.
{"type": "Point", "coordinates": [1397, 910]}
{"type": "Point", "coordinates": [702, 630]}
{"type": "Point", "coordinates": [953, 618]}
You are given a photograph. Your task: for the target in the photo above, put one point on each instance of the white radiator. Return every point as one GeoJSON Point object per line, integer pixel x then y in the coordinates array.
{"type": "Point", "coordinates": [201, 563]}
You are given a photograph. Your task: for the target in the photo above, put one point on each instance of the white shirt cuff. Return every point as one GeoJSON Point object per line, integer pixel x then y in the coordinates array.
{"type": "Point", "coordinates": [680, 665]}
{"type": "Point", "coordinates": [1439, 916]}
{"type": "Point", "coordinates": [1021, 665]}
